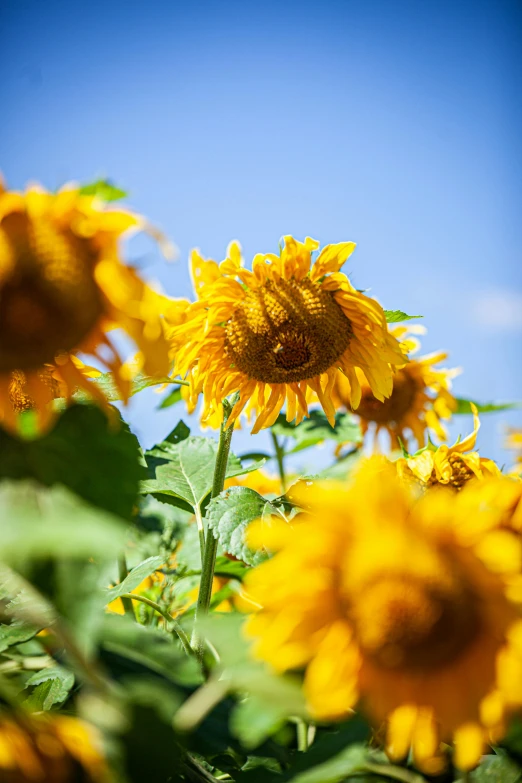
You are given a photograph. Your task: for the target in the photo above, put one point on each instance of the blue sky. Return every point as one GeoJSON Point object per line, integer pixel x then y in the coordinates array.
{"type": "Point", "coordinates": [393, 124]}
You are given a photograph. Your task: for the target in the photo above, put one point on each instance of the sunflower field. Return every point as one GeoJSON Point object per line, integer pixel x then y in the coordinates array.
{"type": "Point", "coordinates": [190, 613]}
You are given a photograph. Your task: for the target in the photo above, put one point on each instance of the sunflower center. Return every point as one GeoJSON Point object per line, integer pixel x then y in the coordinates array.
{"type": "Point", "coordinates": [403, 622]}
{"type": "Point", "coordinates": [287, 331]}
{"type": "Point", "coordinates": [460, 473]}
{"type": "Point", "coordinates": [49, 301]}
{"type": "Point", "coordinates": [393, 409]}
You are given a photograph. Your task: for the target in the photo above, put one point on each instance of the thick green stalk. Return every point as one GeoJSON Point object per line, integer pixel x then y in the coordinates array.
{"type": "Point", "coordinates": [211, 543]}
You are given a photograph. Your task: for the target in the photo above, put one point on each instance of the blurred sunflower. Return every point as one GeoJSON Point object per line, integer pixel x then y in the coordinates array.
{"type": "Point", "coordinates": [396, 605]}
{"type": "Point", "coordinates": [50, 749]}
{"type": "Point", "coordinates": [62, 288]}
{"type": "Point", "coordinates": [420, 398]}
{"type": "Point", "coordinates": [258, 480]}
{"type": "Point", "coordinates": [277, 332]}
{"type": "Point", "coordinates": [514, 443]}
{"type": "Point", "coordinates": [450, 466]}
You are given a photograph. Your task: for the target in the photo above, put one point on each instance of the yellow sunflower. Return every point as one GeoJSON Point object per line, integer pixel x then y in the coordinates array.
{"type": "Point", "coordinates": [285, 328]}
{"type": "Point", "coordinates": [62, 288]}
{"type": "Point", "coordinates": [514, 443]}
{"type": "Point", "coordinates": [50, 749]}
{"type": "Point", "coordinates": [450, 466]}
{"type": "Point", "coordinates": [420, 398]}
{"type": "Point", "coordinates": [261, 482]}
{"type": "Point", "coordinates": [396, 606]}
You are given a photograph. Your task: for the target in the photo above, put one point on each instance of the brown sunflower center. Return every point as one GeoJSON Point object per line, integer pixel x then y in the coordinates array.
{"type": "Point", "coordinates": [460, 473]}
{"type": "Point", "coordinates": [287, 331]}
{"type": "Point", "coordinates": [403, 622]}
{"type": "Point", "coordinates": [49, 300]}
{"type": "Point", "coordinates": [393, 409]}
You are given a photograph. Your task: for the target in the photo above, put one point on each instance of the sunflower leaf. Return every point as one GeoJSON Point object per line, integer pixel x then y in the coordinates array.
{"type": "Point", "coordinates": [181, 471]}
{"type": "Point", "coordinates": [464, 406]}
{"type": "Point", "coordinates": [105, 383]}
{"type": "Point", "coordinates": [396, 316]}
{"type": "Point", "coordinates": [171, 398]}
{"type": "Point", "coordinates": [53, 687]}
{"type": "Point", "coordinates": [103, 189]}
{"type": "Point", "coordinates": [317, 429]}
{"type": "Point", "coordinates": [229, 515]}
{"type": "Point", "coordinates": [135, 577]}
{"type": "Point", "coordinates": [38, 522]}
{"type": "Point", "coordinates": [85, 452]}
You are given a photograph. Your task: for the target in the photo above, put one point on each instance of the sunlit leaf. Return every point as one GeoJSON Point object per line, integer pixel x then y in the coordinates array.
{"type": "Point", "coordinates": [229, 515]}
{"type": "Point", "coordinates": [396, 316]}
{"type": "Point", "coordinates": [135, 577]}
{"type": "Point", "coordinates": [316, 429]}
{"type": "Point", "coordinates": [464, 406]}
{"type": "Point", "coordinates": [104, 189]}
{"type": "Point", "coordinates": [181, 469]}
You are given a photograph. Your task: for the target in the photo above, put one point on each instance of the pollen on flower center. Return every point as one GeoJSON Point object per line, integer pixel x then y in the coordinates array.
{"type": "Point", "coordinates": [395, 407]}
{"type": "Point", "coordinates": [403, 622]}
{"type": "Point", "coordinates": [287, 331]}
{"type": "Point", "coordinates": [50, 302]}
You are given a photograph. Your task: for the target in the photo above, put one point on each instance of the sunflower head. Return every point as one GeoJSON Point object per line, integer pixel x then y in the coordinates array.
{"type": "Point", "coordinates": [448, 466]}
{"type": "Point", "coordinates": [57, 749]}
{"type": "Point", "coordinates": [62, 288]}
{"type": "Point", "coordinates": [420, 399]}
{"type": "Point", "coordinates": [397, 604]}
{"type": "Point", "coordinates": [282, 331]}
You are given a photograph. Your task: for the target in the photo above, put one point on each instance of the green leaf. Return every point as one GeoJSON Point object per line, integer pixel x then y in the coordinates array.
{"type": "Point", "coordinates": [316, 429]}
{"type": "Point", "coordinates": [103, 189]}
{"type": "Point", "coordinates": [233, 569]}
{"type": "Point", "coordinates": [132, 648]}
{"type": "Point", "coordinates": [105, 382]}
{"type": "Point", "coordinates": [54, 685]}
{"type": "Point", "coordinates": [464, 406]}
{"type": "Point", "coordinates": [38, 522]}
{"type": "Point", "coordinates": [97, 459]}
{"type": "Point", "coordinates": [171, 398]}
{"type": "Point", "coordinates": [396, 316]}
{"type": "Point", "coordinates": [275, 697]}
{"type": "Point", "coordinates": [15, 633]}
{"type": "Point", "coordinates": [135, 577]}
{"type": "Point", "coordinates": [496, 769]}
{"type": "Point", "coordinates": [183, 470]}
{"type": "Point", "coordinates": [229, 515]}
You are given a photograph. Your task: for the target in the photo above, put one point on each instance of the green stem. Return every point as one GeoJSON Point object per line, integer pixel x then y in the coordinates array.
{"type": "Point", "coordinates": [123, 571]}
{"type": "Point", "coordinates": [177, 628]}
{"type": "Point", "coordinates": [302, 735]}
{"type": "Point", "coordinates": [279, 455]}
{"type": "Point", "coordinates": [201, 532]}
{"type": "Point", "coordinates": [211, 543]}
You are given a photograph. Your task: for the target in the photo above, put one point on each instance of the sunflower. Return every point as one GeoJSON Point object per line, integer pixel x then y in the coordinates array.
{"type": "Point", "coordinates": [514, 443]}
{"type": "Point", "coordinates": [280, 331]}
{"type": "Point", "coordinates": [50, 749]}
{"type": "Point", "coordinates": [259, 481]}
{"type": "Point", "coordinates": [62, 288]}
{"type": "Point", "coordinates": [396, 606]}
{"type": "Point", "coordinates": [420, 398]}
{"type": "Point", "coordinates": [450, 466]}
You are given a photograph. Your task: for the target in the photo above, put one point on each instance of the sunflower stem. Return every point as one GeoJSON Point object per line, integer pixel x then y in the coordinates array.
{"type": "Point", "coordinates": [279, 455]}
{"type": "Point", "coordinates": [302, 735]}
{"type": "Point", "coordinates": [123, 571]}
{"type": "Point", "coordinates": [176, 626]}
{"type": "Point", "coordinates": [211, 543]}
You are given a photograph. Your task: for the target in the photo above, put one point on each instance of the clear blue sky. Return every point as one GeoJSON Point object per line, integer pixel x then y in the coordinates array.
{"type": "Point", "coordinates": [395, 124]}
